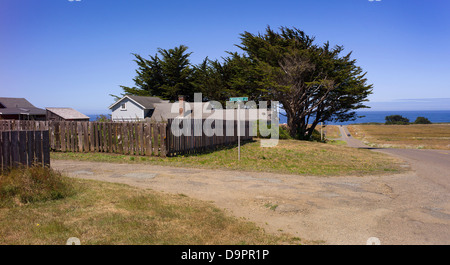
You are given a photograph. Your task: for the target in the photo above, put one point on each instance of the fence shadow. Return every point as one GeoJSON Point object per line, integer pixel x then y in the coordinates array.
{"type": "Point", "coordinates": [217, 148]}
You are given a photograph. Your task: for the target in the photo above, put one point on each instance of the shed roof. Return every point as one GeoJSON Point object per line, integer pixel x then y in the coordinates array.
{"type": "Point", "coordinates": [18, 106]}
{"type": "Point", "coordinates": [68, 113]}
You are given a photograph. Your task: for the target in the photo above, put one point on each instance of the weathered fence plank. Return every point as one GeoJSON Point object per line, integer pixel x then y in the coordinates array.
{"type": "Point", "coordinates": [23, 147]}
{"type": "Point", "coordinates": [45, 148]}
{"type": "Point", "coordinates": [18, 147]}
{"type": "Point", "coordinates": [15, 155]}
{"type": "Point", "coordinates": [148, 138]}
{"type": "Point", "coordinates": [30, 148]}
{"type": "Point", "coordinates": [86, 147]}
{"type": "Point", "coordinates": [6, 153]}
{"type": "Point", "coordinates": [80, 137]}
{"type": "Point", "coordinates": [38, 147]}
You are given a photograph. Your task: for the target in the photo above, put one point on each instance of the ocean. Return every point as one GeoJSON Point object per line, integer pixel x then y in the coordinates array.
{"type": "Point", "coordinates": [435, 116]}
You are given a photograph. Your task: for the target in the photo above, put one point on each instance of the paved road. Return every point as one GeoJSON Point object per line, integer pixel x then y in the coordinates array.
{"type": "Point", "coordinates": [433, 165]}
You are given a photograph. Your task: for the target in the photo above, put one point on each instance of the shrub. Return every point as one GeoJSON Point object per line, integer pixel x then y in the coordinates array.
{"type": "Point", "coordinates": [103, 118]}
{"type": "Point", "coordinates": [315, 136]}
{"type": "Point", "coordinates": [282, 133]}
{"type": "Point", "coordinates": [422, 120]}
{"type": "Point", "coordinates": [396, 119]}
{"type": "Point", "coordinates": [34, 184]}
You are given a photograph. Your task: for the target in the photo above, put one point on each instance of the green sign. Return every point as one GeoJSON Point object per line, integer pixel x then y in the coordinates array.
{"type": "Point", "coordinates": [239, 99]}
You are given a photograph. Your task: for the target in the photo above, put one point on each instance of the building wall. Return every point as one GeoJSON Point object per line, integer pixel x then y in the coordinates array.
{"type": "Point", "coordinates": [133, 112]}
{"type": "Point", "coordinates": [23, 117]}
{"type": "Point", "coordinates": [53, 117]}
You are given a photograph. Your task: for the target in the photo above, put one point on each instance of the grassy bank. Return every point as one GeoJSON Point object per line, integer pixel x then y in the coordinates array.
{"type": "Point", "coordinates": [290, 157]}
{"type": "Point", "coordinates": [332, 131]}
{"type": "Point", "coordinates": [106, 213]}
{"type": "Point", "coordinates": [427, 136]}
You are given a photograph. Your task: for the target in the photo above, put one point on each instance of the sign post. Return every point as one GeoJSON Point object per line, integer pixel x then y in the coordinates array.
{"type": "Point", "coordinates": [240, 99]}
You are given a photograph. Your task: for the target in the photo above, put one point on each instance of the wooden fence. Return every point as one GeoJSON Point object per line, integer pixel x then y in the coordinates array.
{"type": "Point", "coordinates": [15, 125]}
{"type": "Point", "coordinates": [131, 138]}
{"type": "Point", "coordinates": [198, 138]}
{"type": "Point", "coordinates": [24, 148]}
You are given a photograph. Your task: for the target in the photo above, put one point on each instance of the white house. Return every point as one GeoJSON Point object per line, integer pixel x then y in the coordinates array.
{"type": "Point", "coordinates": [134, 108]}
{"type": "Point", "coordinates": [138, 108]}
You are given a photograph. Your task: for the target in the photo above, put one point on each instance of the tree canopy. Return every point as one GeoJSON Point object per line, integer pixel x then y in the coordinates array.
{"type": "Point", "coordinates": [422, 120]}
{"type": "Point", "coordinates": [167, 74]}
{"type": "Point", "coordinates": [313, 83]}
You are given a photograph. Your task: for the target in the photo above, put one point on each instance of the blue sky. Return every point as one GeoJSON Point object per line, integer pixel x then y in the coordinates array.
{"type": "Point", "coordinates": [58, 53]}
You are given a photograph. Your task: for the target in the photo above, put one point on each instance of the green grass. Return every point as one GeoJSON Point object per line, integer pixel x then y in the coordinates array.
{"type": "Point", "coordinates": [107, 213]}
{"type": "Point", "coordinates": [337, 142]}
{"type": "Point", "coordinates": [290, 157]}
{"type": "Point", "coordinates": [271, 206]}
{"type": "Point", "coordinates": [34, 184]}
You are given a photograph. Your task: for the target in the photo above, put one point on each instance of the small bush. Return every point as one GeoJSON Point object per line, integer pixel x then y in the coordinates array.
{"type": "Point", "coordinates": [316, 136]}
{"type": "Point", "coordinates": [282, 133]}
{"type": "Point", "coordinates": [396, 120]}
{"type": "Point", "coordinates": [422, 120]}
{"type": "Point", "coordinates": [34, 184]}
{"type": "Point", "coordinates": [103, 118]}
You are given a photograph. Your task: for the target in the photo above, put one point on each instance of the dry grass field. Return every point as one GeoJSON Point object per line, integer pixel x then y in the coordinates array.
{"type": "Point", "coordinates": [429, 136]}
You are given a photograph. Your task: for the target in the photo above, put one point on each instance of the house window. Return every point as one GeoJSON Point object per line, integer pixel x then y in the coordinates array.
{"type": "Point", "coordinates": [123, 106]}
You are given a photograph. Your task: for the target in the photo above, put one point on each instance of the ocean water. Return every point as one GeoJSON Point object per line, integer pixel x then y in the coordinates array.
{"type": "Point", "coordinates": [434, 116]}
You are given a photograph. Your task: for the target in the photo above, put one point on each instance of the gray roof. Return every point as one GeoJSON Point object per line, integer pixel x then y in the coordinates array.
{"type": "Point", "coordinates": [19, 106]}
{"type": "Point", "coordinates": [68, 113]}
{"type": "Point", "coordinates": [147, 102]}
{"type": "Point", "coordinates": [144, 101]}
{"type": "Point", "coordinates": [163, 111]}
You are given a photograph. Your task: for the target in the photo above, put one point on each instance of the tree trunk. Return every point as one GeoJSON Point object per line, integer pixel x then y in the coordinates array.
{"type": "Point", "coordinates": [292, 125]}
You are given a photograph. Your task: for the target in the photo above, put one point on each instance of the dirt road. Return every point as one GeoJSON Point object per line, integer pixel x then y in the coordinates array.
{"type": "Point", "coordinates": [397, 209]}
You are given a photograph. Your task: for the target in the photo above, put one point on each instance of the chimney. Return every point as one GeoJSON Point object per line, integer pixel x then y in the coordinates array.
{"type": "Point", "coordinates": [181, 102]}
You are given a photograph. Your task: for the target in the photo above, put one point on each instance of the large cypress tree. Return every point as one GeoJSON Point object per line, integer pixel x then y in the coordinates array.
{"type": "Point", "coordinates": [235, 76]}
{"type": "Point", "coordinates": [167, 75]}
{"type": "Point", "coordinates": [313, 83]}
